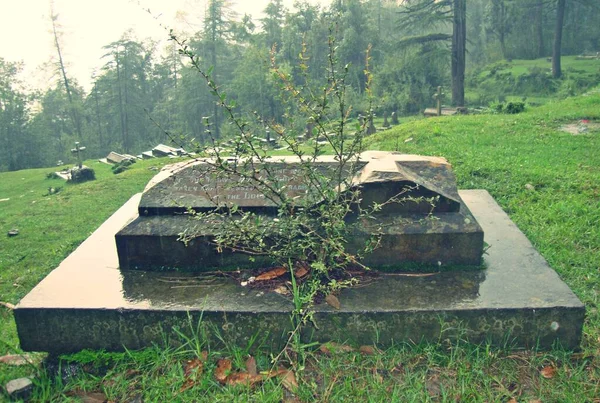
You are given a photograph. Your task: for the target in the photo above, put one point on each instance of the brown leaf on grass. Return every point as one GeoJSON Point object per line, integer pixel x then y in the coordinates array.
{"type": "Point", "coordinates": [91, 397]}
{"type": "Point", "coordinates": [251, 366]}
{"type": "Point", "coordinates": [131, 373]}
{"type": "Point", "coordinates": [512, 400]}
{"type": "Point", "coordinates": [245, 378]}
{"type": "Point", "coordinates": [289, 381]}
{"type": "Point", "coordinates": [16, 359]}
{"type": "Point", "coordinates": [193, 370]}
{"type": "Point", "coordinates": [368, 350]}
{"type": "Point", "coordinates": [271, 274]}
{"type": "Point", "coordinates": [548, 371]}
{"type": "Point", "coordinates": [333, 301]}
{"type": "Point", "coordinates": [7, 305]}
{"type": "Point", "coordinates": [332, 348]}
{"type": "Point", "coordinates": [223, 370]}
{"type": "Point", "coordinates": [433, 385]}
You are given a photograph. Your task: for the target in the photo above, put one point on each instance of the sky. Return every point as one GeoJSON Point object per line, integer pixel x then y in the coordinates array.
{"type": "Point", "coordinates": [88, 25]}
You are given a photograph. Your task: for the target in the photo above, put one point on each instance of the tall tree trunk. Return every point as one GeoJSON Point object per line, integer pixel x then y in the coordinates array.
{"type": "Point", "coordinates": [556, 49]}
{"type": "Point", "coordinates": [459, 39]}
{"type": "Point", "coordinates": [72, 110]}
{"type": "Point", "coordinates": [124, 140]}
{"type": "Point", "coordinates": [502, 30]}
{"type": "Point", "coordinates": [539, 25]}
{"type": "Point", "coordinates": [98, 122]}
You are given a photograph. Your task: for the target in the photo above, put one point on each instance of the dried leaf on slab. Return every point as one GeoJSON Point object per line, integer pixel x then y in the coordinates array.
{"type": "Point", "coordinates": [271, 274]}
{"type": "Point", "coordinates": [333, 301]}
{"type": "Point", "coordinates": [301, 269]}
{"type": "Point", "coordinates": [223, 370]}
{"type": "Point", "coordinates": [251, 366]}
{"type": "Point", "coordinates": [16, 359]}
{"type": "Point", "coordinates": [281, 290]}
{"type": "Point", "coordinates": [548, 371]}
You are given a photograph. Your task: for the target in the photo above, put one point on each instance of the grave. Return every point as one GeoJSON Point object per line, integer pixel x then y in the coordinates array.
{"type": "Point", "coordinates": [449, 235]}
{"type": "Point", "coordinates": [111, 296]}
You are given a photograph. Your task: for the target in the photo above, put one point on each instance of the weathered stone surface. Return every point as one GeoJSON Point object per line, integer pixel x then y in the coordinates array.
{"type": "Point", "coordinates": [116, 158]}
{"type": "Point", "coordinates": [162, 150]}
{"type": "Point", "coordinates": [442, 233]}
{"type": "Point", "coordinates": [196, 184]}
{"type": "Point", "coordinates": [152, 242]}
{"type": "Point", "coordinates": [517, 300]}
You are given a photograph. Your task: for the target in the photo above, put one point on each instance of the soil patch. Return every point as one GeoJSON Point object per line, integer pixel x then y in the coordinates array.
{"type": "Point", "coordinates": [581, 127]}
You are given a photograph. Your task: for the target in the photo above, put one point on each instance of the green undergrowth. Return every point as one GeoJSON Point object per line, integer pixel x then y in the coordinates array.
{"type": "Point", "coordinates": [546, 179]}
{"type": "Point", "coordinates": [531, 80]}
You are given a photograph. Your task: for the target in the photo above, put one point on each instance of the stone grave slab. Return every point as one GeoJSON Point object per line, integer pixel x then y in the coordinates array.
{"type": "Point", "coordinates": [517, 300]}
{"type": "Point", "coordinates": [414, 232]}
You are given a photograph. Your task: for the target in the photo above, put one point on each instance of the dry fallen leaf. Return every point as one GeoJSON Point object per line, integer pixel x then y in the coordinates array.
{"type": "Point", "coordinates": [245, 378]}
{"type": "Point", "coordinates": [333, 301]}
{"type": "Point", "coordinates": [223, 370]}
{"type": "Point", "coordinates": [193, 371]}
{"type": "Point", "coordinates": [512, 400]}
{"type": "Point", "coordinates": [289, 381]}
{"type": "Point", "coordinates": [332, 347]}
{"type": "Point", "coordinates": [281, 290]}
{"type": "Point", "coordinates": [251, 366]}
{"type": "Point", "coordinates": [271, 274]}
{"type": "Point", "coordinates": [91, 397]}
{"type": "Point", "coordinates": [548, 371]}
{"type": "Point", "coordinates": [433, 385]}
{"type": "Point", "coordinates": [16, 359]}
{"type": "Point", "coordinates": [301, 269]}
{"type": "Point", "coordinates": [7, 305]}
{"type": "Point", "coordinates": [368, 350]}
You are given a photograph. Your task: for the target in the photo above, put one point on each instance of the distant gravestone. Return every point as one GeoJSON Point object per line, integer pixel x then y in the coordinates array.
{"type": "Point", "coordinates": [361, 120]}
{"type": "Point", "coordinates": [395, 118]}
{"type": "Point", "coordinates": [309, 130]}
{"type": "Point", "coordinates": [77, 150]}
{"type": "Point", "coordinates": [117, 158]}
{"type": "Point", "coordinates": [371, 127]}
{"type": "Point", "coordinates": [386, 124]}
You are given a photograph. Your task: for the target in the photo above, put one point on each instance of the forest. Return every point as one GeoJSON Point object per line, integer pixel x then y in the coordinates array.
{"type": "Point", "coordinates": [413, 46]}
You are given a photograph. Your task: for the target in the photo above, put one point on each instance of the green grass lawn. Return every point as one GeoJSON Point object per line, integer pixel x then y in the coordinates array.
{"type": "Point", "coordinates": [568, 63]}
{"type": "Point", "coordinates": [531, 80]}
{"type": "Point", "coordinates": [501, 153]}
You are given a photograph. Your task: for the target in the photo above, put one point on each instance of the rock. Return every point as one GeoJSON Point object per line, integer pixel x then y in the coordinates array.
{"type": "Point", "coordinates": [530, 187]}
{"type": "Point", "coordinates": [13, 232]}
{"type": "Point", "coordinates": [19, 388]}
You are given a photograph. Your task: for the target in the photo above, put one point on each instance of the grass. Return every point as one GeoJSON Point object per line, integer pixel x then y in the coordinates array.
{"type": "Point", "coordinates": [505, 154]}
{"type": "Point", "coordinates": [568, 63]}
{"type": "Point", "coordinates": [531, 80]}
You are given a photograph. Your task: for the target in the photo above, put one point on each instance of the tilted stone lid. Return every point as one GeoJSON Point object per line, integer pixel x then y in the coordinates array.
{"type": "Point", "coordinates": [197, 185]}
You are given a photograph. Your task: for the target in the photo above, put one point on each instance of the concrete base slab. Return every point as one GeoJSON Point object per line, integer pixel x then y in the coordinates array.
{"type": "Point", "coordinates": [518, 300]}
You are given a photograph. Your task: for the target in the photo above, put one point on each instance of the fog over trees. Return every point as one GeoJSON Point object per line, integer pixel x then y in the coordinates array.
{"type": "Point", "coordinates": [415, 46]}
